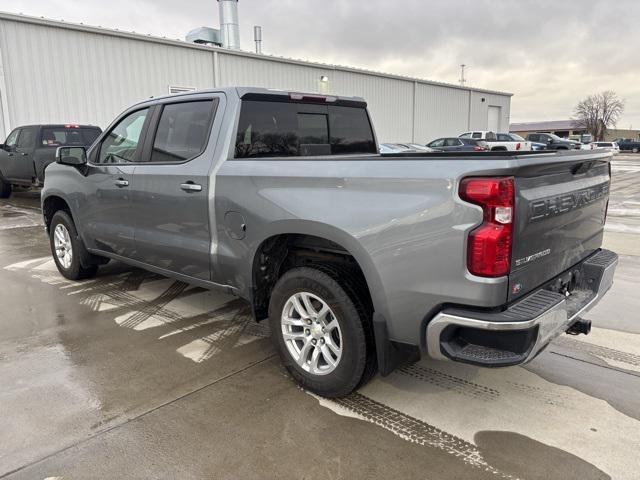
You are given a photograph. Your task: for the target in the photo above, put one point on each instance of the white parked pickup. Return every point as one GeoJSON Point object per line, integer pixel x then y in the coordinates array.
{"type": "Point", "coordinates": [500, 141]}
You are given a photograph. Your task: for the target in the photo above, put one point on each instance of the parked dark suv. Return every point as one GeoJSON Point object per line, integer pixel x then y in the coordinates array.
{"type": "Point", "coordinates": [28, 150]}
{"type": "Point", "coordinates": [553, 142]}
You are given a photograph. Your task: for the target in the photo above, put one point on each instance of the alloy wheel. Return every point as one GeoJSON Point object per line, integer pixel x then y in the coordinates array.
{"type": "Point", "coordinates": [63, 246]}
{"type": "Point", "coordinates": [311, 333]}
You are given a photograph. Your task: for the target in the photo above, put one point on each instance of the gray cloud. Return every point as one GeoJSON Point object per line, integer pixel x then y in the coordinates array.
{"type": "Point", "coordinates": [549, 53]}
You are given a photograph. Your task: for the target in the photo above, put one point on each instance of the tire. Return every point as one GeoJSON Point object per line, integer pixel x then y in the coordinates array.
{"type": "Point", "coordinates": [69, 262]}
{"type": "Point", "coordinates": [351, 331]}
{"type": "Point", "coordinates": [5, 189]}
{"type": "Point", "coordinates": [636, 150]}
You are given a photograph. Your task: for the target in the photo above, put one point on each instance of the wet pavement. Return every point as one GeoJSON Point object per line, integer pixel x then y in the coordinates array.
{"type": "Point", "coordinates": [132, 375]}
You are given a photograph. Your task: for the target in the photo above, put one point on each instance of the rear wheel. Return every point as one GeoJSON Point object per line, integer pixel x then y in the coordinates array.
{"type": "Point", "coordinates": [67, 248]}
{"type": "Point", "coordinates": [636, 150]}
{"type": "Point", "coordinates": [5, 188]}
{"type": "Point", "coordinates": [322, 331]}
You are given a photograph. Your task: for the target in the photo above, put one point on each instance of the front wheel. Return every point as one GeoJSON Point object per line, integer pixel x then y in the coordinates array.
{"type": "Point", "coordinates": [322, 331]}
{"type": "Point", "coordinates": [67, 248]}
{"type": "Point", "coordinates": [636, 150]}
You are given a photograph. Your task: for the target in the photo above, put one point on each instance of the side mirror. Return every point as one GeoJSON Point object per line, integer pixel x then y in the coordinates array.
{"type": "Point", "coordinates": [74, 156]}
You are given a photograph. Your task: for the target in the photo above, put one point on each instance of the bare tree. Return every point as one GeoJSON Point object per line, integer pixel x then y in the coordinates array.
{"type": "Point", "coordinates": [598, 112]}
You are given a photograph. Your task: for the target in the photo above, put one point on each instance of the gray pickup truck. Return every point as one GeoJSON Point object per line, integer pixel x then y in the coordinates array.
{"type": "Point", "coordinates": [359, 260]}
{"type": "Point", "coordinates": [553, 142]}
{"type": "Point", "coordinates": [29, 149]}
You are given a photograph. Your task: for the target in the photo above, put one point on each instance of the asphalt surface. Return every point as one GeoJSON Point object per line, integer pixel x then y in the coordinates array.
{"type": "Point", "coordinates": [132, 375]}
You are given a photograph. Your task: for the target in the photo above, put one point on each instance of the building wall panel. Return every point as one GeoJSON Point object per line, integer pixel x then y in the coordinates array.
{"type": "Point", "coordinates": [390, 102]}
{"type": "Point", "coordinates": [57, 72]}
{"type": "Point", "coordinates": [480, 110]}
{"type": "Point", "coordinates": [440, 112]}
{"type": "Point", "coordinates": [56, 75]}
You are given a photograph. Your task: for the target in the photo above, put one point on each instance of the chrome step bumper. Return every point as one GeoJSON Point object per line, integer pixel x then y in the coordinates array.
{"type": "Point", "coordinates": [517, 334]}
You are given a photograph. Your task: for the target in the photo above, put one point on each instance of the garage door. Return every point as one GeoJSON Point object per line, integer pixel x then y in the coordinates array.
{"type": "Point", "coordinates": [493, 123]}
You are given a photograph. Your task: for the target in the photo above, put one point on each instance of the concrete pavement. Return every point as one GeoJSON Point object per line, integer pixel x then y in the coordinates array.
{"type": "Point", "coordinates": [131, 375]}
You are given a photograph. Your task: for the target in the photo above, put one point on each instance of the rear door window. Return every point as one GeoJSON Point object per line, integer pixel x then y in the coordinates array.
{"type": "Point", "coordinates": [452, 142]}
{"type": "Point", "coordinates": [279, 129]}
{"type": "Point", "coordinates": [183, 131]}
{"type": "Point", "coordinates": [476, 135]}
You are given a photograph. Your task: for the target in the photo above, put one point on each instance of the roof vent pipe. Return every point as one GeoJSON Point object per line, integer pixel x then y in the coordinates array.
{"type": "Point", "coordinates": [229, 23]}
{"type": "Point", "coordinates": [257, 36]}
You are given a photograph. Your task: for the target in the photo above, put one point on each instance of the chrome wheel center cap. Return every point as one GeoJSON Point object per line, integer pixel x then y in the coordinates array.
{"type": "Point", "coordinates": [316, 330]}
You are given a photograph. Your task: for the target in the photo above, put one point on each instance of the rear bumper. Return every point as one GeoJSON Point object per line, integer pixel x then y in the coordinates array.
{"type": "Point", "coordinates": [517, 334]}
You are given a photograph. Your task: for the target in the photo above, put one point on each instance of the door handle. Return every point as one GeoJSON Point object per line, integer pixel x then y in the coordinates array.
{"type": "Point", "coordinates": [121, 183]}
{"type": "Point", "coordinates": [24, 154]}
{"type": "Point", "coordinates": [9, 154]}
{"type": "Point", "coordinates": [191, 187]}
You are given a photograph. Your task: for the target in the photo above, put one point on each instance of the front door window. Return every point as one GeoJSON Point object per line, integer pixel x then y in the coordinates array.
{"type": "Point", "coordinates": [122, 144]}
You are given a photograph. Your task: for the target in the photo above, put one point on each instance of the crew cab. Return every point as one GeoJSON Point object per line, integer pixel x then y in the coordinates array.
{"type": "Point", "coordinates": [628, 145]}
{"type": "Point", "coordinates": [499, 142]}
{"type": "Point", "coordinates": [29, 149]}
{"type": "Point", "coordinates": [358, 260]}
{"type": "Point", "coordinates": [554, 142]}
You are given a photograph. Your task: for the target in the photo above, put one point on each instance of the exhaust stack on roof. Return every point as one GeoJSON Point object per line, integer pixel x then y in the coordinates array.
{"type": "Point", "coordinates": [257, 37]}
{"type": "Point", "coordinates": [229, 24]}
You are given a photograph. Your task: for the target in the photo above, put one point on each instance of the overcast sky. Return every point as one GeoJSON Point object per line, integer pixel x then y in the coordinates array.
{"type": "Point", "coordinates": [549, 53]}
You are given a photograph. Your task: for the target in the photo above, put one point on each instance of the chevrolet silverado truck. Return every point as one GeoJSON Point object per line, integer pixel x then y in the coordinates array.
{"type": "Point", "coordinates": [359, 261]}
{"type": "Point", "coordinates": [28, 150]}
{"type": "Point", "coordinates": [499, 142]}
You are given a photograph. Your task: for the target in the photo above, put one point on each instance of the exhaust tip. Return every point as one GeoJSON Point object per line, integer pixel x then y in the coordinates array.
{"type": "Point", "coordinates": [580, 326]}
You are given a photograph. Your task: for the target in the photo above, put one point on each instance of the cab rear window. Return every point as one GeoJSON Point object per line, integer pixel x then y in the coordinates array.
{"type": "Point", "coordinates": [278, 129]}
{"type": "Point", "coordinates": [57, 136]}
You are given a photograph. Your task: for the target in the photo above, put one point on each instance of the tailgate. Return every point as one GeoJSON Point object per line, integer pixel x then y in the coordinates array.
{"type": "Point", "coordinates": [559, 220]}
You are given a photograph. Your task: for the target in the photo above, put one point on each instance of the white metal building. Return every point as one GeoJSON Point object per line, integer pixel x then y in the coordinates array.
{"type": "Point", "coordinates": [58, 72]}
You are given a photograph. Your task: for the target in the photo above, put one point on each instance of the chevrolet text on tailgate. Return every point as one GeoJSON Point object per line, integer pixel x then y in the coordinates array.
{"type": "Point", "coordinates": [360, 261]}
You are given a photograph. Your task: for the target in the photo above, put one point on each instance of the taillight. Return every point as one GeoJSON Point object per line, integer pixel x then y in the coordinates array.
{"type": "Point", "coordinates": [517, 146]}
{"type": "Point", "coordinates": [489, 245]}
{"type": "Point", "coordinates": [478, 148]}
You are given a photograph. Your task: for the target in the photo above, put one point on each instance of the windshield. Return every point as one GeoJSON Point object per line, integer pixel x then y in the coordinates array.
{"type": "Point", "coordinates": [516, 138]}
{"type": "Point", "coordinates": [556, 137]}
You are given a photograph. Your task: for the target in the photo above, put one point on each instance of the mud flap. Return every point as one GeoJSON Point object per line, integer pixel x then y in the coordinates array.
{"type": "Point", "coordinates": [390, 354]}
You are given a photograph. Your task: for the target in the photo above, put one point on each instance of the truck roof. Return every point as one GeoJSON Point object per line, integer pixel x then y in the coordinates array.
{"type": "Point", "coordinates": [265, 93]}
{"type": "Point", "coordinates": [59, 125]}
